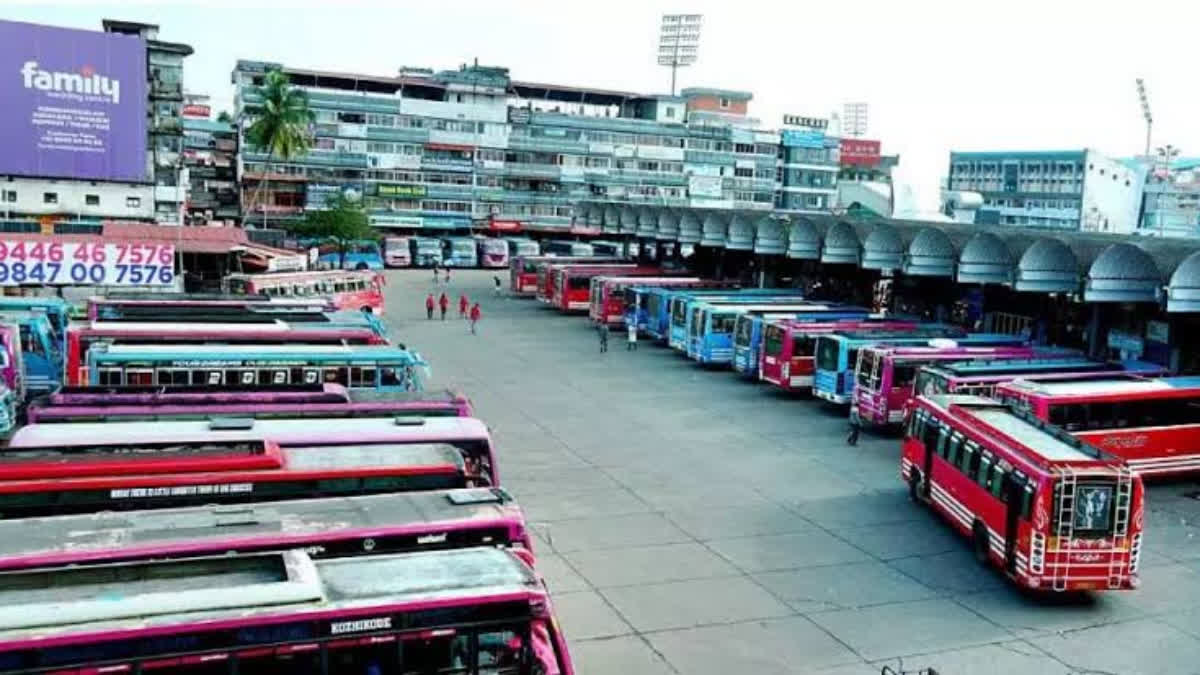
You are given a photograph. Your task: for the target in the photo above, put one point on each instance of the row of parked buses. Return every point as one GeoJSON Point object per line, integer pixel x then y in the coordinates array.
{"type": "Point", "coordinates": [254, 484]}
{"type": "Point", "coordinates": [1035, 453]}
{"type": "Point", "coordinates": [477, 251]}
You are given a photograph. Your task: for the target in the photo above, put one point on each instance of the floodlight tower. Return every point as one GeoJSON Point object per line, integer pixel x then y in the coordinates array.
{"type": "Point", "coordinates": [854, 120]}
{"type": "Point", "coordinates": [1141, 90]}
{"type": "Point", "coordinates": [678, 42]}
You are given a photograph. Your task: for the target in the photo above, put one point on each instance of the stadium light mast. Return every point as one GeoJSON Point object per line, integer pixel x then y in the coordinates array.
{"type": "Point", "coordinates": [678, 42]}
{"type": "Point", "coordinates": [854, 120]}
{"type": "Point", "coordinates": [1145, 101]}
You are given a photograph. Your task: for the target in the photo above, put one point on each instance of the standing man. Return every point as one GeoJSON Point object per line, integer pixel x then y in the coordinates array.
{"type": "Point", "coordinates": [435, 273]}
{"type": "Point", "coordinates": [447, 275]}
{"type": "Point", "coordinates": [475, 316]}
{"type": "Point", "coordinates": [444, 303]}
{"type": "Point", "coordinates": [603, 330]}
{"type": "Point", "coordinates": [496, 280]}
{"type": "Point", "coordinates": [429, 306]}
{"type": "Point", "coordinates": [631, 335]}
{"type": "Point", "coordinates": [463, 304]}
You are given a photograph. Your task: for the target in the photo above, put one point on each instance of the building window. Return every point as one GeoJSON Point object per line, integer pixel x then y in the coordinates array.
{"type": "Point", "coordinates": [670, 111]}
{"type": "Point", "coordinates": [133, 202]}
{"type": "Point", "coordinates": [724, 103]}
{"type": "Point", "coordinates": [49, 197]}
{"type": "Point", "coordinates": [9, 195]}
{"type": "Point", "coordinates": [91, 200]}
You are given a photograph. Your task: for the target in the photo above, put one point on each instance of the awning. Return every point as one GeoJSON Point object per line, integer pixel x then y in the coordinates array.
{"type": "Point", "coordinates": [1183, 291]}
{"type": "Point", "coordinates": [1122, 273]}
{"type": "Point", "coordinates": [803, 242]}
{"type": "Point", "coordinates": [668, 225]}
{"type": "Point", "coordinates": [883, 249]}
{"type": "Point", "coordinates": [769, 236]}
{"type": "Point", "coordinates": [1047, 266]}
{"type": "Point", "coordinates": [689, 227]}
{"type": "Point", "coordinates": [647, 222]}
{"type": "Point", "coordinates": [628, 220]}
{"type": "Point", "coordinates": [715, 228]}
{"type": "Point", "coordinates": [741, 232]}
{"type": "Point", "coordinates": [931, 254]}
{"type": "Point", "coordinates": [985, 259]}
{"type": "Point", "coordinates": [841, 245]}
{"type": "Point", "coordinates": [612, 219]}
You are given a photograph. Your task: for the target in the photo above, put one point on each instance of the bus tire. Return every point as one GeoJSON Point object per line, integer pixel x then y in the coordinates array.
{"type": "Point", "coordinates": [981, 543]}
{"type": "Point", "coordinates": [914, 486]}
{"type": "Point", "coordinates": [361, 266]}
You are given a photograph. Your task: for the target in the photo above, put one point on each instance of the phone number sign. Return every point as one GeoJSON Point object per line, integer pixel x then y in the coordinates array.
{"type": "Point", "coordinates": [86, 264]}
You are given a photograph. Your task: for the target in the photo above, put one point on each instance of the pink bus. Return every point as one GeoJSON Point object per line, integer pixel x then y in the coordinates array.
{"type": "Point", "coordinates": [981, 377]}
{"type": "Point", "coordinates": [788, 357]}
{"type": "Point", "coordinates": [344, 289]}
{"type": "Point", "coordinates": [467, 435]}
{"type": "Point", "coordinates": [151, 395]}
{"type": "Point", "coordinates": [126, 306]}
{"type": "Point", "coordinates": [356, 403]}
{"type": "Point", "coordinates": [884, 374]}
{"type": "Point", "coordinates": [608, 302]}
{"type": "Point", "coordinates": [13, 367]}
{"type": "Point", "coordinates": [473, 610]}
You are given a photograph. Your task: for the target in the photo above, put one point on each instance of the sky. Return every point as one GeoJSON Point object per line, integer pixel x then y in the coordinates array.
{"type": "Point", "coordinates": [937, 74]}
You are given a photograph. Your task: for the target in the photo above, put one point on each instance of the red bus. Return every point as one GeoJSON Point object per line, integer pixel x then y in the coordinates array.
{"type": "Point", "coordinates": [81, 338]}
{"type": "Point", "coordinates": [787, 359]}
{"type": "Point", "coordinates": [124, 306]}
{"type": "Point", "coordinates": [981, 377]}
{"type": "Point", "coordinates": [524, 272]}
{"type": "Point", "coordinates": [1154, 424]}
{"type": "Point", "coordinates": [573, 284]}
{"type": "Point", "coordinates": [344, 289]}
{"type": "Point", "coordinates": [608, 300]}
{"type": "Point", "coordinates": [548, 276]}
{"type": "Point", "coordinates": [1051, 511]}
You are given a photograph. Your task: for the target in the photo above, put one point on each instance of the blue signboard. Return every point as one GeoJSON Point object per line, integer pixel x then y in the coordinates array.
{"type": "Point", "coordinates": [803, 138]}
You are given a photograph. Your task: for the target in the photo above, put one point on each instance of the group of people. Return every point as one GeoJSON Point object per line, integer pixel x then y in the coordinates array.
{"type": "Point", "coordinates": [466, 310]}
{"type": "Point", "coordinates": [631, 333]}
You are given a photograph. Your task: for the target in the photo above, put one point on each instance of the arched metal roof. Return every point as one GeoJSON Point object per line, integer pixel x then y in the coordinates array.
{"type": "Point", "coordinates": [985, 259]}
{"type": "Point", "coordinates": [594, 216]}
{"type": "Point", "coordinates": [628, 220]}
{"type": "Point", "coordinates": [931, 254]}
{"type": "Point", "coordinates": [647, 221]}
{"type": "Point", "coordinates": [668, 225]}
{"type": "Point", "coordinates": [841, 245]}
{"type": "Point", "coordinates": [741, 232]}
{"type": "Point", "coordinates": [1183, 291]}
{"type": "Point", "coordinates": [611, 222]}
{"type": "Point", "coordinates": [716, 226]}
{"type": "Point", "coordinates": [803, 241]}
{"type": "Point", "coordinates": [1047, 266]}
{"type": "Point", "coordinates": [689, 227]}
{"type": "Point", "coordinates": [883, 249]}
{"type": "Point", "coordinates": [1122, 273]}
{"type": "Point", "coordinates": [769, 236]}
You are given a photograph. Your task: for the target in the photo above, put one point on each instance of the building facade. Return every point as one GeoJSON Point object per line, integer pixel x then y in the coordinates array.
{"type": "Point", "coordinates": [1080, 190]}
{"type": "Point", "coordinates": [1171, 206]}
{"type": "Point", "coordinates": [809, 164]}
{"type": "Point", "coordinates": [210, 157]}
{"type": "Point", "coordinates": [473, 148]}
{"type": "Point", "coordinates": [32, 203]}
{"type": "Point", "coordinates": [864, 180]}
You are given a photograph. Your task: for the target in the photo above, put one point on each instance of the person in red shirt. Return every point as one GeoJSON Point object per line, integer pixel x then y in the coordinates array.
{"type": "Point", "coordinates": [429, 306]}
{"type": "Point", "coordinates": [444, 303]}
{"type": "Point", "coordinates": [463, 303]}
{"type": "Point", "coordinates": [475, 316]}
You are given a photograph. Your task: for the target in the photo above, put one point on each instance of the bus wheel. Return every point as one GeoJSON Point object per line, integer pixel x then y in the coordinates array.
{"type": "Point", "coordinates": [982, 543]}
{"type": "Point", "coordinates": [361, 266]}
{"type": "Point", "coordinates": [914, 487]}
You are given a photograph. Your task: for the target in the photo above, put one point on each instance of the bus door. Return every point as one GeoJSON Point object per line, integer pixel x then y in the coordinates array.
{"type": "Point", "coordinates": [1016, 492]}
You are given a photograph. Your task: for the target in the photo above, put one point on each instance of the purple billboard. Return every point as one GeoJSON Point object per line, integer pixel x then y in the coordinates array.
{"type": "Point", "coordinates": [74, 103]}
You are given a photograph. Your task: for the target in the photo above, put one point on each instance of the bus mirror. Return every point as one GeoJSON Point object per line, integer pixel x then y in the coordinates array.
{"type": "Point", "coordinates": [230, 423]}
{"type": "Point", "coordinates": [409, 421]}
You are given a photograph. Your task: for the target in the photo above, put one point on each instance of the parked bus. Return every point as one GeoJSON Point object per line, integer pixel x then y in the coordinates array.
{"type": "Point", "coordinates": [981, 377]}
{"type": "Point", "coordinates": [748, 333]}
{"type": "Point", "coordinates": [885, 374]}
{"type": "Point", "coordinates": [522, 247]}
{"type": "Point", "coordinates": [682, 304]}
{"type": "Point", "coordinates": [168, 395]}
{"type": "Point", "coordinates": [574, 249]}
{"type": "Point", "coordinates": [492, 253]}
{"type": "Point", "coordinates": [610, 298]}
{"type": "Point", "coordinates": [41, 350]}
{"type": "Point", "coordinates": [525, 272]}
{"type": "Point", "coordinates": [9, 412]}
{"type": "Point", "coordinates": [113, 407]}
{"type": "Point", "coordinates": [125, 306]}
{"type": "Point", "coordinates": [657, 301]}
{"type": "Point", "coordinates": [789, 347]}
{"type": "Point", "coordinates": [366, 367]}
{"type": "Point", "coordinates": [478, 610]}
{"type": "Point", "coordinates": [571, 291]}
{"type": "Point", "coordinates": [12, 359]}
{"type": "Point", "coordinates": [710, 328]}
{"type": "Point", "coordinates": [459, 252]}
{"type": "Point", "coordinates": [57, 310]}
{"type": "Point", "coordinates": [548, 276]}
{"type": "Point", "coordinates": [396, 252]}
{"type": "Point", "coordinates": [363, 254]}
{"type": "Point", "coordinates": [426, 252]}
{"type": "Point", "coordinates": [330, 527]}
{"type": "Point", "coordinates": [81, 338]}
{"type": "Point", "coordinates": [1153, 424]}
{"type": "Point", "coordinates": [1051, 511]}
{"type": "Point", "coordinates": [609, 248]}
{"type": "Point", "coordinates": [468, 436]}
{"type": "Point", "coordinates": [344, 289]}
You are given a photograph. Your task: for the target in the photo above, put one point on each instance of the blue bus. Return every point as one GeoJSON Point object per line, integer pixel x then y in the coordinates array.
{"type": "Point", "coordinates": [41, 351]}
{"type": "Point", "coordinates": [377, 367]}
{"type": "Point", "coordinates": [680, 307]}
{"type": "Point", "coordinates": [57, 311]}
{"type": "Point", "coordinates": [460, 252]}
{"type": "Point", "coordinates": [712, 338]}
{"type": "Point", "coordinates": [749, 327]}
{"type": "Point", "coordinates": [656, 301]}
{"type": "Point", "coordinates": [837, 353]}
{"type": "Point", "coordinates": [360, 255]}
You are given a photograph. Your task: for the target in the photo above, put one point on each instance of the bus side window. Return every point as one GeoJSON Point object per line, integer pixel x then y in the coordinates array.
{"type": "Point", "coordinates": [943, 442]}
{"type": "Point", "coordinates": [970, 459]}
{"type": "Point", "coordinates": [929, 432]}
{"type": "Point", "coordinates": [997, 482]}
{"type": "Point", "coordinates": [1099, 415]}
{"type": "Point", "coordinates": [1027, 502]}
{"type": "Point", "coordinates": [982, 468]}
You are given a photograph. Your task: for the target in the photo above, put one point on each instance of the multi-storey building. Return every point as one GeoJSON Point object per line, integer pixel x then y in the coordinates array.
{"type": "Point", "coordinates": [1069, 190]}
{"type": "Point", "coordinates": [156, 194]}
{"type": "Point", "coordinates": [210, 155]}
{"type": "Point", "coordinates": [474, 148]}
{"type": "Point", "coordinates": [810, 161]}
{"type": "Point", "coordinates": [1171, 206]}
{"type": "Point", "coordinates": [864, 180]}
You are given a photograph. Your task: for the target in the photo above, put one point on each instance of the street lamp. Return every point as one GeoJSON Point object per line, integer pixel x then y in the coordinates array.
{"type": "Point", "coordinates": [678, 42]}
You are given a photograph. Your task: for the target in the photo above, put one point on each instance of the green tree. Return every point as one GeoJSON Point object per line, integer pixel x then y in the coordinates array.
{"type": "Point", "coordinates": [342, 222]}
{"type": "Point", "coordinates": [281, 125]}
{"type": "Point", "coordinates": [225, 117]}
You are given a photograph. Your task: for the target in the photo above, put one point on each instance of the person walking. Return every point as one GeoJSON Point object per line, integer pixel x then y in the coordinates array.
{"type": "Point", "coordinates": [447, 275]}
{"type": "Point", "coordinates": [603, 330]}
{"type": "Point", "coordinates": [631, 336]}
{"type": "Point", "coordinates": [476, 314]}
{"type": "Point", "coordinates": [855, 428]}
{"type": "Point", "coordinates": [444, 303]}
{"type": "Point", "coordinates": [463, 304]}
{"type": "Point", "coordinates": [496, 281]}
{"type": "Point", "coordinates": [435, 273]}
{"type": "Point", "coordinates": [429, 306]}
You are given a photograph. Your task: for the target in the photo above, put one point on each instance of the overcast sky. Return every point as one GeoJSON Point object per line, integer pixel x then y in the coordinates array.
{"type": "Point", "coordinates": [1017, 75]}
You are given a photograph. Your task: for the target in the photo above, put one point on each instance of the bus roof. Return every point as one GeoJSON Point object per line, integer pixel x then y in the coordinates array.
{"type": "Point", "coordinates": [250, 589]}
{"type": "Point", "coordinates": [920, 333]}
{"type": "Point", "coordinates": [1109, 386]}
{"type": "Point", "coordinates": [98, 395]}
{"type": "Point", "coordinates": [1005, 366]}
{"type": "Point", "coordinates": [208, 529]}
{"type": "Point", "coordinates": [207, 352]}
{"type": "Point", "coordinates": [286, 432]}
{"type": "Point", "coordinates": [307, 274]}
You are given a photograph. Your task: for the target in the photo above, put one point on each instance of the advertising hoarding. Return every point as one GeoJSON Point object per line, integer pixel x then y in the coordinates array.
{"type": "Point", "coordinates": [74, 103]}
{"type": "Point", "coordinates": [396, 190]}
{"type": "Point", "coordinates": [803, 138]}
{"type": "Point", "coordinates": [76, 263]}
{"type": "Point", "coordinates": [859, 152]}
{"type": "Point", "coordinates": [708, 187]}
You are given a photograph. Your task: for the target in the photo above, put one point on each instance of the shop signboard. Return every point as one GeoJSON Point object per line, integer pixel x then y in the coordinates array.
{"type": "Point", "coordinates": [400, 191]}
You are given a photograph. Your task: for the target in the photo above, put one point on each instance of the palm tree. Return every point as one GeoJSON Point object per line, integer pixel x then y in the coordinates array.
{"type": "Point", "coordinates": [281, 124]}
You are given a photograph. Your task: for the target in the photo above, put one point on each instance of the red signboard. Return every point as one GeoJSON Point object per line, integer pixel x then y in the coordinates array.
{"type": "Point", "coordinates": [504, 225]}
{"type": "Point", "coordinates": [196, 110]}
{"type": "Point", "coordinates": [858, 152]}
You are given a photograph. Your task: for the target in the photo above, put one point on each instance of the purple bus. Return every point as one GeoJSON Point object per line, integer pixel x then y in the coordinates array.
{"type": "Point", "coordinates": [253, 404]}
{"type": "Point", "coordinates": [474, 610]}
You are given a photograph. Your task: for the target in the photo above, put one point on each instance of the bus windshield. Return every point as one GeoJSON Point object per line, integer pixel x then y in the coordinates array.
{"type": "Point", "coordinates": [678, 313]}
{"type": "Point", "coordinates": [773, 340]}
{"type": "Point", "coordinates": [802, 345]}
{"type": "Point", "coordinates": [869, 364]}
{"type": "Point", "coordinates": [723, 323]}
{"type": "Point", "coordinates": [929, 382]}
{"type": "Point", "coordinates": [827, 353]}
{"type": "Point", "coordinates": [743, 330]}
